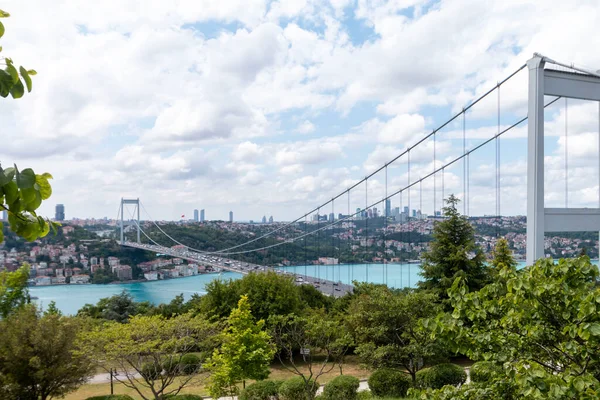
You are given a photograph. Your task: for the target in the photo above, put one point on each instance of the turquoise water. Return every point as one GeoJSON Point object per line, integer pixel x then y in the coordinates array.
{"type": "Point", "coordinates": [70, 298]}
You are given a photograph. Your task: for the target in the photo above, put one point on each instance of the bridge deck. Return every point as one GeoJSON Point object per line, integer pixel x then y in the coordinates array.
{"type": "Point", "coordinates": [330, 288]}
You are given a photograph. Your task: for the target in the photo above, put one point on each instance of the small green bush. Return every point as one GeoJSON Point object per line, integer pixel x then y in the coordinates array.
{"type": "Point", "coordinates": [111, 397]}
{"type": "Point", "coordinates": [484, 371]}
{"type": "Point", "coordinates": [295, 389]}
{"type": "Point", "coordinates": [440, 375]}
{"type": "Point", "coordinates": [342, 387]}
{"type": "Point", "coordinates": [171, 366]}
{"type": "Point", "coordinates": [151, 371]}
{"type": "Point", "coordinates": [261, 390]}
{"type": "Point", "coordinates": [190, 364]}
{"type": "Point", "coordinates": [389, 382]}
{"type": "Point", "coordinates": [184, 397]}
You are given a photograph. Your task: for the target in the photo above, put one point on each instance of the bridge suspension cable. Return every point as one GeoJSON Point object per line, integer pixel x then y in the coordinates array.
{"type": "Point", "coordinates": [406, 188]}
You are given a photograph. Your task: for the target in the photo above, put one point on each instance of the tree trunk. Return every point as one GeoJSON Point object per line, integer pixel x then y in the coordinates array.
{"type": "Point", "coordinates": [243, 384]}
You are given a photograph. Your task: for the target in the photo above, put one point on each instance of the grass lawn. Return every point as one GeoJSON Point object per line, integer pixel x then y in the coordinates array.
{"type": "Point", "coordinates": [351, 367]}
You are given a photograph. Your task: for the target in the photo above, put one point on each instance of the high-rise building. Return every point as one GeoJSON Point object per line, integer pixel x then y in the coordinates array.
{"type": "Point", "coordinates": [264, 219]}
{"type": "Point", "coordinates": [405, 210]}
{"type": "Point", "coordinates": [388, 208]}
{"type": "Point", "coordinates": [196, 215]}
{"type": "Point", "coordinates": [4, 215]}
{"type": "Point", "coordinates": [271, 219]}
{"type": "Point", "coordinates": [230, 216]}
{"type": "Point", "coordinates": [358, 214]}
{"type": "Point", "coordinates": [59, 214]}
{"type": "Point", "coordinates": [202, 215]}
{"type": "Point", "coordinates": [331, 217]}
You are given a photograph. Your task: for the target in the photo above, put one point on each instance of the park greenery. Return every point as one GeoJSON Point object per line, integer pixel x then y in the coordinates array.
{"type": "Point", "coordinates": [533, 333]}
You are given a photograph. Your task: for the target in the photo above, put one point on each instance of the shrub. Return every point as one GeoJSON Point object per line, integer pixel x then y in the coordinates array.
{"type": "Point", "coordinates": [388, 382]}
{"type": "Point", "coordinates": [261, 390]}
{"type": "Point", "coordinates": [295, 389]}
{"type": "Point", "coordinates": [485, 371]}
{"type": "Point", "coordinates": [184, 397]}
{"type": "Point", "coordinates": [111, 397]}
{"type": "Point", "coordinates": [151, 371]}
{"type": "Point", "coordinates": [440, 375]}
{"type": "Point", "coordinates": [190, 364]}
{"type": "Point", "coordinates": [342, 387]}
{"type": "Point", "coordinates": [171, 366]}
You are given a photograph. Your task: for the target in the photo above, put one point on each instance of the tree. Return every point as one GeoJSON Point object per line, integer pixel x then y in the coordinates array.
{"type": "Point", "coordinates": [13, 290]}
{"type": "Point", "coordinates": [268, 293]}
{"type": "Point", "coordinates": [21, 192]}
{"type": "Point", "coordinates": [453, 254]}
{"type": "Point", "coordinates": [502, 257]}
{"type": "Point", "coordinates": [246, 352]}
{"type": "Point", "coordinates": [119, 308]}
{"type": "Point", "coordinates": [386, 329]}
{"type": "Point", "coordinates": [322, 342]}
{"type": "Point", "coordinates": [36, 356]}
{"type": "Point", "coordinates": [541, 322]}
{"type": "Point", "coordinates": [147, 349]}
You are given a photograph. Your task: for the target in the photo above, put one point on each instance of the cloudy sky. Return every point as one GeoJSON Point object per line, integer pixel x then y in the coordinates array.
{"type": "Point", "coordinates": [271, 107]}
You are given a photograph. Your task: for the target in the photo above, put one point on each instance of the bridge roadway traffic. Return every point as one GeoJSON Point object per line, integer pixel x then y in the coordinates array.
{"type": "Point", "coordinates": [327, 287]}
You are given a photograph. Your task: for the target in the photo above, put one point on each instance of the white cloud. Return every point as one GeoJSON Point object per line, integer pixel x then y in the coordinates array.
{"type": "Point", "coordinates": [306, 127]}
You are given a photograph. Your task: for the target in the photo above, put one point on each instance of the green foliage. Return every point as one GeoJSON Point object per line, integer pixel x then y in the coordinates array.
{"type": "Point", "coordinates": [388, 382]}
{"type": "Point", "coordinates": [268, 293]}
{"type": "Point", "coordinates": [111, 397]}
{"type": "Point", "coordinates": [502, 257]}
{"type": "Point", "coordinates": [485, 371]}
{"type": "Point", "coordinates": [541, 322]}
{"type": "Point", "coordinates": [261, 390]}
{"type": "Point", "coordinates": [386, 328]}
{"type": "Point", "coordinates": [52, 309]}
{"type": "Point", "coordinates": [453, 254]}
{"type": "Point", "coordinates": [190, 364]}
{"type": "Point", "coordinates": [343, 387]}
{"type": "Point", "coordinates": [145, 345]}
{"type": "Point", "coordinates": [21, 193]}
{"type": "Point", "coordinates": [119, 308]}
{"type": "Point", "coordinates": [297, 388]}
{"type": "Point", "coordinates": [184, 397]}
{"type": "Point", "coordinates": [10, 79]}
{"type": "Point", "coordinates": [13, 290]}
{"type": "Point", "coordinates": [36, 356]}
{"type": "Point", "coordinates": [440, 375]}
{"type": "Point", "coordinates": [246, 352]}
{"type": "Point", "coordinates": [323, 339]}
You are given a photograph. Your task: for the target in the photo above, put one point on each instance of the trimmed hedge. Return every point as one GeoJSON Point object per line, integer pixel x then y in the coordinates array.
{"type": "Point", "coordinates": [151, 371]}
{"type": "Point", "coordinates": [343, 387]}
{"type": "Point", "coordinates": [262, 390]}
{"type": "Point", "coordinates": [485, 371]}
{"type": "Point", "coordinates": [441, 375]}
{"type": "Point", "coordinates": [190, 364]}
{"type": "Point", "coordinates": [295, 389]}
{"type": "Point", "coordinates": [388, 382]}
{"type": "Point", "coordinates": [111, 397]}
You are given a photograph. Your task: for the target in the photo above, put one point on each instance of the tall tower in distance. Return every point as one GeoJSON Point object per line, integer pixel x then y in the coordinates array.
{"type": "Point", "coordinates": [202, 215]}
{"type": "Point", "coordinates": [59, 214]}
{"type": "Point", "coordinates": [196, 215]}
{"type": "Point", "coordinates": [230, 216]}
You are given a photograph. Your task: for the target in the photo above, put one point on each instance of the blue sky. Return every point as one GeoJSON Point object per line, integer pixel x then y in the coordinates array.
{"type": "Point", "coordinates": [271, 107]}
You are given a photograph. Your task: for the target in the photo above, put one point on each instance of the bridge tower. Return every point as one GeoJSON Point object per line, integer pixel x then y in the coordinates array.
{"type": "Point", "coordinates": [570, 85]}
{"type": "Point", "coordinates": [136, 202]}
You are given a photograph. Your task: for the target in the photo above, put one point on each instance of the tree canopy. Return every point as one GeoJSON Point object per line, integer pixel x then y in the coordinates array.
{"type": "Point", "coordinates": [542, 323]}
{"type": "Point", "coordinates": [453, 254]}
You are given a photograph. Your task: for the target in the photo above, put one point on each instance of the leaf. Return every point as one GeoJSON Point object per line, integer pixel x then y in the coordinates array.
{"type": "Point", "coordinates": [26, 179]}
{"type": "Point", "coordinates": [26, 78]}
{"type": "Point", "coordinates": [10, 173]}
{"type": "Point", "coordinates": [4, 14]}
{"type": "Point", "coordinates": [32, 72]}
{"type": "Point", "coordinates": [595, 329]}
{"type": "Point", "coordinates": [35, 202]}
{"type": "Point", "coordinates": [11, 192]}
{"type": "Point", "coordinates": [3, 178]}
{"type": "Point", "coordinates": [13, 72]}
{"type": "Point", "coordinates": [28, 195]}
{"type": "Point", "coordinates": [44, 187]}
{"type": "Point", "coordinates": [1, 29]}
{"type": "Point", "coordinates": [18, 90]}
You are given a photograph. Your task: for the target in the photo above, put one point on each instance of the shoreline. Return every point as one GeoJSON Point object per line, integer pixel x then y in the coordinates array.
{"type": "Point", "coordinates": [123, 282]}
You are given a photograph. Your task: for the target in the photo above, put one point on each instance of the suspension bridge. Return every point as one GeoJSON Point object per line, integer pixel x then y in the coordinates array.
{"type": "Point", "coordinates": [421, 175]}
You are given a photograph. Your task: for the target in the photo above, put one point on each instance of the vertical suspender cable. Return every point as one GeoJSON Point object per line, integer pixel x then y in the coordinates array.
{"type": "Point", "coordinates": [464, 165]}
{"type": "Point", "coordinates": [366, 230]}
{"type": "Point", "coordinates": [305, 253]}
{"type": "Point", "coordinates": [443, 192]}
{"type": "Point", "coordinates": [386, 213]}
{"type": "Point", "coordinates": [434, 178]}
{"type": "Point", "coordinates": [402, 239]}
{"type": "Point", "coordinates": [332, 240]}
{"type": "Point", "coordinates": [498, 170]}
{"type": "Point", "coordinates": [566, 154]}
{"type": "Point", "coordinates": [410, 246]}
{"type": "Point", "coordinates": [349, 236]}
{"type": "Point", "coordinates": [318, 238]}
